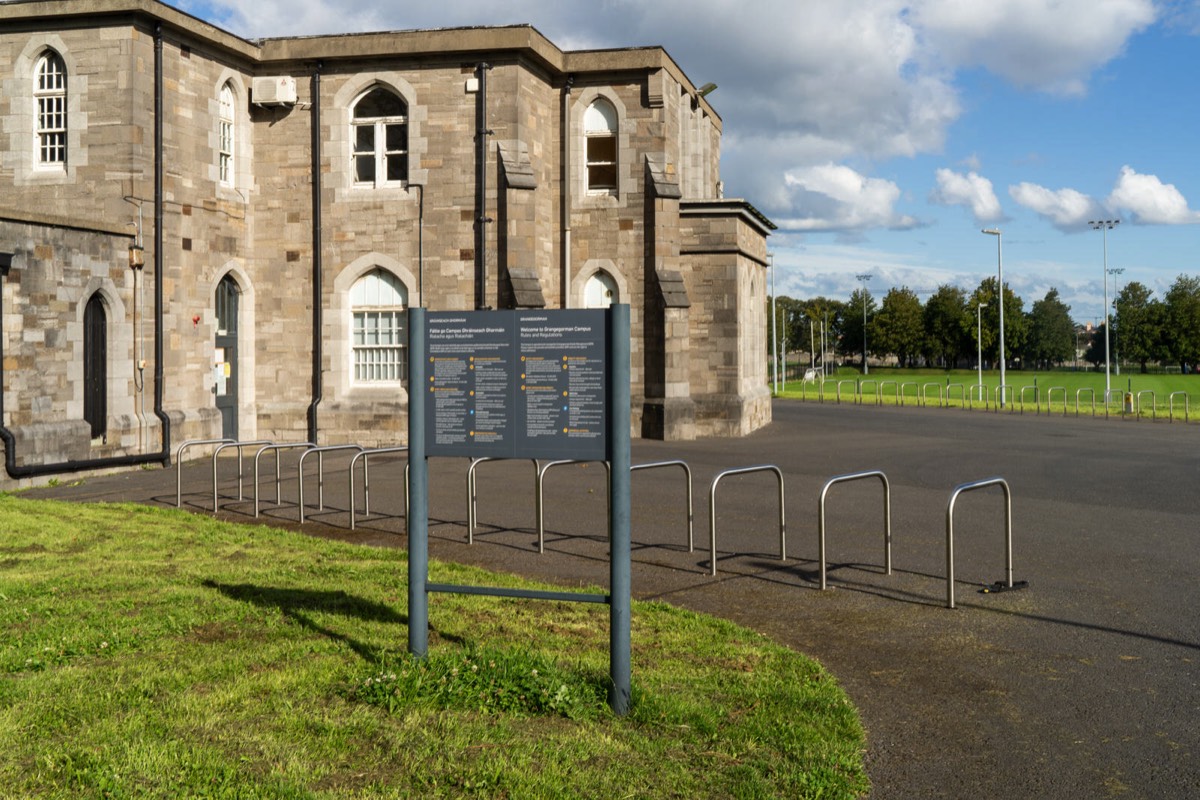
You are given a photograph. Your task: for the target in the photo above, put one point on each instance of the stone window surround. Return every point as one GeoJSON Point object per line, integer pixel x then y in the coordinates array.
{"type": "Point", "coordinates": [20, 124]}
{"type": "Point", "coordinates": [590, 268]}
{"type": "Point", "coordinates": [579, 173]}
{"type": "Point", "coordinates": [340, 330]}
{"type": "Point", "coordinates": [337, 118]}
{"type": "Point", "coordinates": [120, 354]}
{"type": "Point", "coordinates": [243, 177]}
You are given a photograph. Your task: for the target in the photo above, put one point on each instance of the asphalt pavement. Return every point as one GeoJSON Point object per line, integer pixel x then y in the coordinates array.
{"type": "Point", "coordinates": [1084, 684]}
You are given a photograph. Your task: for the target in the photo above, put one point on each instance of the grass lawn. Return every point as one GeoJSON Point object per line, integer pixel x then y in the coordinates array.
{"type": "Point", "coordinates": [154, 653]}
{"type": "Point", "coordinates": [1154, 396]}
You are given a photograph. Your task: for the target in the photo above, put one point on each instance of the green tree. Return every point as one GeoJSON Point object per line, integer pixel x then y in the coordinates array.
{"type": "Point", "coordinates": [807, 321]}
{"type": "Point", "coordinates": [1138, 325]}
{"type": "Point", "coordinates": [899, 327]}
{"type": "Point", "coordinates": [852, 323]}
{"type": "Point", "coordinates": [1181, 321]}
{"type": "Point", "coordinates": [946, 321]}
{"type": "Point", "coordinates": [1015, 324]}
{"type": "Point", "coordinates": [1051, 338]}
{"type": "Point", "coordinates": [1094, 354]}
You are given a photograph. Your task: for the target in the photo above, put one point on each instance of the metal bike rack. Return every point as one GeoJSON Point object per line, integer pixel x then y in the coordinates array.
{"type": "Point", "coordinates": [1008, 564]}
{"type": "Point", "coordinates": [1153, 403]}
{"type": "Point", "coordinates": [1091, 392]}
{"type": "Point", "coordinates": [179, 463]}
{"type": "Point", "coordinates": [320, 451]}
{"type": "Point", "coordinates": [1050, 398]}
{"type": "Point", "coordinates": [863, 383]}
{"type": "Point", "coordinates": [365, 456]}
{"type": "Point", "coordinates": [278, 485]}
{"type": "Point", "coordinates": [916, 391]}
{"type": "Point", "coordinates": [712, 510]}
{"type": "Point", "coordinates": [687, 471]}
{"type": "Point", "coordinates": [217, 452]}
{"type": "Point", "coordinates": [925, 394]}
{"type": "Point", "coordinates": [839, 387]}
{"type": "Point", "coordinates": [541, 528]}
{"type": "Point", "coordinates": [982, 391]}
{"type": "Point", "coordinates": [1036, 403]}
{"type": "Point", "coordinates": [887, 517]}
{"type": "Point", "coordinates": [895, 391]}
{"type": "Point", "coordinates": [1108, 398]}
{"type": "Point", "coordinates": [471, 510]}
{"type": "Point", "coordinates": [1171, 404]}
{"type": "Point", "coordinates": [1004, 390]}
{"type": "Point", "coordinates": [962, 393]}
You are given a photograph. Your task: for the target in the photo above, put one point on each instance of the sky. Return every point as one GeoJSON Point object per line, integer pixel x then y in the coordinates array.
{"type": "Point", "coordinates": [881, 136]}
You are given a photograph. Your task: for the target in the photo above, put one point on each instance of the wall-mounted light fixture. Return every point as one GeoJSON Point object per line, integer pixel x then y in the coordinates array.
{"type": "Point", "coordinates": [137, 256]}
{"type": "Point", "coordinates": [706, 90]}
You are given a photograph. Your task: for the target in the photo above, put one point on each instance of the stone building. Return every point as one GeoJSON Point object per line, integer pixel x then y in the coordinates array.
{"type": "Point", "coordinates": [204, 235]}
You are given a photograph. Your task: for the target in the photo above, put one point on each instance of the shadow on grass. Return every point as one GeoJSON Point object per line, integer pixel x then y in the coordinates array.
{"type": "Point", "coordinates": [298, 605]}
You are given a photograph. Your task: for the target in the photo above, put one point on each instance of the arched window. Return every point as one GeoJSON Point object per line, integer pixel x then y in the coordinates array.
{"type": "Point", "coordinates": [380, 137]}
{"type": "Point", "coordinates": [225, 136]}
{"type": "Point", "coordinates": [600, 291]}
{"type": "Point", "coordinates": [600, 134]}
{"type": "Point", "coordinates": [95, 366]}
{"type": "Point", "coordinates": [379, 324]}
{"type": "Point", "coordinates": [50, 97]}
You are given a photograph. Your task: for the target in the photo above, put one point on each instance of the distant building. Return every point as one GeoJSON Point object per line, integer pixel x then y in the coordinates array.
{"type": "Point", "coordinates": [455, 169]}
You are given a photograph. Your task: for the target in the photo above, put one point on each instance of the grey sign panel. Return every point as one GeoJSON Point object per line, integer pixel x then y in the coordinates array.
{"type": "Point", "coordinates": [517, 384]}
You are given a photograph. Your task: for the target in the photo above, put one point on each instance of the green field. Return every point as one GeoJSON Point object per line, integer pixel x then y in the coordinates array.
{"type": "Point", "coordinates": [1153, 396]}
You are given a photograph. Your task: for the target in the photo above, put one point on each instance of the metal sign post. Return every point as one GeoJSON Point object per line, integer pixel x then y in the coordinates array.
{"type": "Point", "coordinates": [525, 385]}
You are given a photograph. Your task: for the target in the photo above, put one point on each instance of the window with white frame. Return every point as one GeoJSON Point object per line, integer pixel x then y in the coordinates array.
{"type": "Point", "coordinates": [379, 336]}
{"type": "Point", "coordinates": [50, 97]}
{"type": "Point", "coordinates": [380, 138]}
{"type": "Point", "coordinates": [225, 136]}
{"type": "Point", "coordinates": [600, 135]}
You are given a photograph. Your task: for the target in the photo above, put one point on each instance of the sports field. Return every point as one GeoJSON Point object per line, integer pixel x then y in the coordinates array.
{"type": "Point", "coordinates": [1152, 396]}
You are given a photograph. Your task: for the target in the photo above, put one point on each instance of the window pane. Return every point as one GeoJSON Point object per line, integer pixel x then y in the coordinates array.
{"type": "Point", "coordinates": [364, 138]}
{"type": "Point", "coordinates": [397, 167]}
{"type": "Point", "coordinates": [380, 103]}
{"type": "Point", "coordinates": [364, 168]}
{"type": "Point", "coordinates": [602, 176]}
{"type": "Point", "coordinates": [397, 138]}
{"type": "Point", "coordinates": [601, 149]}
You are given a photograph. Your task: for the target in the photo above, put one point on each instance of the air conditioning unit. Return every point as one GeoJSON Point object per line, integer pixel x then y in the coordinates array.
{"type": "Point", "coordinates": [279, 90]}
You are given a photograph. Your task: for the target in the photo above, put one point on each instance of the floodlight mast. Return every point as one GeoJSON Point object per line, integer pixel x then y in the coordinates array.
{"type": "Point", "coordinates": [1000, 267]}
{"type": "Point", "coordinates": [864, 277]}
{"type": "Point", "coordinates": [1104, 226]}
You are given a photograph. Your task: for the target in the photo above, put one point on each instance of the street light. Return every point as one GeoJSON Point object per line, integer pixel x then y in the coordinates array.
{"type": "Point", "coordinates": [774, 339]}
{"type": "Point", "coordinates": [1117, 335]}
{"type": "Point", "coordinates": [979, 341]}
{"type": "Point", "coordinates": [864, 277]}
{"type": "Point", "coordinates": [1000, 267]}
{"type": "Point", "coordinates": [1104, 226]}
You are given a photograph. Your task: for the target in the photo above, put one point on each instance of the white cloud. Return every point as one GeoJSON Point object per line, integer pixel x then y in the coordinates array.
{"type": "Point", "coordinates": [1066, 209]}
{"type": "Point", "coordinates": [1150, 200]}
{"type": "Point", "coordinates": [833, 197]}
{"type": "Point", "coordinates": [971, 190]}
{"type": "Point", "coordinates": [1052, 46]}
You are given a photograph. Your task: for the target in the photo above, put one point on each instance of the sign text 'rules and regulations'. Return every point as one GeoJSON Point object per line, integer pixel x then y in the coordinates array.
{"type": "Point", "coordinates": [517, 384]}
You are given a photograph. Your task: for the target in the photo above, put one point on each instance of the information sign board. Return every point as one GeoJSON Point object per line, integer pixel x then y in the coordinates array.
{"type": "Point", "coordinates": [517, 384]}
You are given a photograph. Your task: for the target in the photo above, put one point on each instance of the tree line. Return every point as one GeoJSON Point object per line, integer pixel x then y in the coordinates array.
{"type": "Point", "coordinates": [953, 327]}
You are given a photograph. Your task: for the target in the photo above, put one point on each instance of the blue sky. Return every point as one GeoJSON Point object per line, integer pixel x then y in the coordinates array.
{"type": "Point", "coordinates": [882, 135]}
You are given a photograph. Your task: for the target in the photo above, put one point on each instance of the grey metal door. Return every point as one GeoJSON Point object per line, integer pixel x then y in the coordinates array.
{"type": "Point", "coordinates": [225, 371]}
{"type": "Point", "coordinates": [95, 366]}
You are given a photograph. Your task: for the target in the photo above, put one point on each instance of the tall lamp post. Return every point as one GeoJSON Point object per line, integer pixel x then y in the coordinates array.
{"type": "Point", "coordinates": [979, 341]}
{"type": "Point", "coordinates": [774, 338]}
{"type": "Point", "coordinates": [1000, 267]}
{"type": "Point", "coordinates": [1117, 335]}
{"type": "Point", "coordinates": [863, 277]}
{"type": "Point", "coordinates": [1104, 226]}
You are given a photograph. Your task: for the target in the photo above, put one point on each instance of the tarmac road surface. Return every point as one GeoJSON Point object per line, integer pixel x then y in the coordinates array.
{"type": "Point", "coordinates": [1083, 685]}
